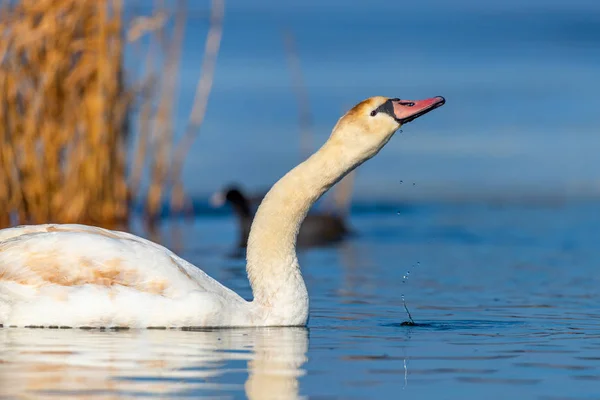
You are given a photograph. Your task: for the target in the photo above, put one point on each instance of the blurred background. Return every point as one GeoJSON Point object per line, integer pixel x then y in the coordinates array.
{"type": "Point", "coordinates": [520, 81]}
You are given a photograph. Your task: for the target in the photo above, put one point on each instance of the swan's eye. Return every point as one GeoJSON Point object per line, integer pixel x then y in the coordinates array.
{"type": "Point", "coordinates": [373, 113]}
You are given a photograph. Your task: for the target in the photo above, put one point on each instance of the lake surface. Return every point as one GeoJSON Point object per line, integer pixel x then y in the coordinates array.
{"type": "Point", "coordinates": [506, 301]}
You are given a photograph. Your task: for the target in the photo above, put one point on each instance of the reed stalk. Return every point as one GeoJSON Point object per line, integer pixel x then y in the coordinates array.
{"type": "Point", "coordinates": [339, 200]}
{"type": "Point", "coordinates": [67, 111]}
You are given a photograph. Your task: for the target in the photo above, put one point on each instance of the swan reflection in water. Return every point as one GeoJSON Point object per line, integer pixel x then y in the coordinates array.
{"type": "Point", "coordinates": [40, 363]}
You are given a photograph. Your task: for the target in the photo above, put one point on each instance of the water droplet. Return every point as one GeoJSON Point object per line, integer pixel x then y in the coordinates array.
{"type": "Point", "coordinates": [401, 182]}
{"type": "Point", "coordinates": [414, 184]}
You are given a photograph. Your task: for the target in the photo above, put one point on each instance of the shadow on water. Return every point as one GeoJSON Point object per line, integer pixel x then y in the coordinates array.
{"type": "Point", "coordinates": [455, 325]}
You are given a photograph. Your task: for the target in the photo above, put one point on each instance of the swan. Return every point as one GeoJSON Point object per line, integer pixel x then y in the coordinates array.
{"type": "Point", "coordinates": [69, 275]}
{"type": "Point", "coordinates": [317, 228]}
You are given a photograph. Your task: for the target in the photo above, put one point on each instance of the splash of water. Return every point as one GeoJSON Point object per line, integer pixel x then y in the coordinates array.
{"type": "Point", "coordinates": [411, 321]}
{"type": "Point", "coordinates": [404, 279]}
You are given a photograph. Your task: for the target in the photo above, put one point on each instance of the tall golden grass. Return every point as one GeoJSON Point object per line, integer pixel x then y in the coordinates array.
{"type": "Point", "coordinates": [66, 111]}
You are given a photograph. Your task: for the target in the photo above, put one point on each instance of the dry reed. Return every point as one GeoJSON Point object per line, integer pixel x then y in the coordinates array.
{"type": "Point", "coordinates": [66, 112]}
{"type": "Point", "coordinates": [305, 119]}
{"type": "Point", "coordinates": [339, 200]}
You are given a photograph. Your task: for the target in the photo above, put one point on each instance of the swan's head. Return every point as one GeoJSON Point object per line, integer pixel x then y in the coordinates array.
{"type": "Point", "coordinates": [370, 124]}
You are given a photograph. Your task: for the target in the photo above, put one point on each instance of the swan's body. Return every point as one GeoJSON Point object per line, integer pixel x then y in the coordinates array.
{"type": "Point", "coordinates": [81, 276]}
{"type": "Point", "coordinates": [77, 275]}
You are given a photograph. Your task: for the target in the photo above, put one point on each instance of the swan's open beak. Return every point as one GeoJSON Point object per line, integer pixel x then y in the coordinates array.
{"type": "Point", "coordinates": [408, 110]}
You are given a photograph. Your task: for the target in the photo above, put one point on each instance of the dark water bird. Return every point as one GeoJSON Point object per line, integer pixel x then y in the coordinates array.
{"type": "Point", "coordinates": [317, 229]}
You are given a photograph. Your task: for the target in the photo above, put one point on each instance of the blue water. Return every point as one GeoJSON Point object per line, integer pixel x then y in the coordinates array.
{"type": "Point", "coordinates": [505, 300]}
{"type": "Point", "coordinates": [520, 81]}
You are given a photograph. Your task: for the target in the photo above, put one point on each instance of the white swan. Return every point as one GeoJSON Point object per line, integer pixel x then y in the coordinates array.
{"type": "Point", "coordinates": [83, 276]}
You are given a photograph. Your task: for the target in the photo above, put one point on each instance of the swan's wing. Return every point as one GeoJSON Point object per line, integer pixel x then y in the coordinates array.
{"type": "Point", "coordinates": [70, 255]}
{"type": "Point", "coordinates": [75, 255]}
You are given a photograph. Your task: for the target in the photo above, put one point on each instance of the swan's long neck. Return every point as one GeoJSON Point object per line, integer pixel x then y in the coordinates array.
{"type": "Point", "coordinates": [272, 264]}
